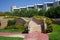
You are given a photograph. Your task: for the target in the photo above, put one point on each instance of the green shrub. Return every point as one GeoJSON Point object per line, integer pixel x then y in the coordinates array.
{"type": "Point", "coordinates": [26, 28]}
{"type": "Point", "coordinates": [42, 12]}
{"type": "Point", "coordinates": [11, 27]}
{"type": "Point", "coordinates": [11, 22]}
{"type": "Point", "coordinates": [48, 21]}
{"type": "Point", "coordinates": [53, 12]}
{"type": "Point", "coordinates": [19, 27]}
{"type": "Point", "coordinates": [49, 25]}
{"type": "Point", "coordinates": [49, 29]}
{"type": "Point", "coordinates": [39, 17]}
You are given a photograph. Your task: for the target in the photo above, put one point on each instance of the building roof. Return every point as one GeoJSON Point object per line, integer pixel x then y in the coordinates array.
{"type": "Point", "coordinates": [15, 8]}
{"type": "Point", "coordinates": [48, 2]}
{"type": "Point", "coordinates": [23, 7]}
{"type": "Point", "coordinates": [38, 4]}
{"type": "Point", "coordinates": [30, 5]}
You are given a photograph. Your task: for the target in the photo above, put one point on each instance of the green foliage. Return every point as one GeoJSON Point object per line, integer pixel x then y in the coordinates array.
{"type": "Point", "coordinates": [57, 12]}
{"type": "Point", "coordinates": [23, 13]}
{"type": "Point", "coordinates": [55, 35]}
{"type": "Point", "coordinates": [11, 30]}
{"type": "Point", "coordinates": [42, 12]}
{"type": "Point", "coordinates": [26, 13]}
{"type": "Point", "coordinates": [25, 28]}
{"type": "Point", "coordinates": [16, 27]}
{"type": "Point", "coordinates": [39, 17]}
{"type": "Point", "coordinates": [11, 22]}
{"type": "Point", "coordinates": [49, 25]}
{"type": "Point", "coordinates": [32, 12]}
{"type": "Point", "coordinates": [11, 16]}
{"type": "Point", "coordinates": [8, 13]}
{"type": "Point", "coordinates": [48, 21]}
{"type": "Point", "coordinates": [2, 14]}
{"type": "Point", "coordinates": [19, 27]}
{"type": "Point", "coordinates": [11, 27]}
{"type": "Point", "coordinates": [15, 13]}
{"type": "Point", "coordinates": [53, 12]}
{"type": "Point", "coordinates": [10, 38]}
{"type": "Point", "coordinates": [49, 28]}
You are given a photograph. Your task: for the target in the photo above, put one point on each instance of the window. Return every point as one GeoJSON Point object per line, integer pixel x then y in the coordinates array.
{"type": "Point", "coordinates": [59, 2]}
{"type": "Point", "coordinates": [50, 5]}
{"type": "Point", "coordinates": [39, 6]}
{"type": "Point", "coordinates": [16, 9]}
{"type": "Point", "coordinates": [31, 7]}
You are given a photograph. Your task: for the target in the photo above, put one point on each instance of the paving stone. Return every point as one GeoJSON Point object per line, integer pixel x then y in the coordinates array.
{"type": "Point", "coordinates": [36, 36]}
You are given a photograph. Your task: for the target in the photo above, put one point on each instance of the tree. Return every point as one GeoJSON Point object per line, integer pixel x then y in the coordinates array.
{"type": "Point", "coordinates": [26, 28]}
{"type": "Point", "coordinates": [11, 22]}
{"type": "Point", "coordinates": [57, 12]}
{"type": "Point", "coordinates": [42, 12]}
{"type": "Point", "coordinates": [8, 13]}
{"type": "Point", "coordinates": [2, 14]}
{"type": "Point", "coordinates": [32, 12]}
{"type": "Point", "coordinates": [16, 13]}
{"type": "Point", "coordinates": [53, 12]}
{"type": "Point", "coordinates": [23, 13]}
{"type": "Point", "coordinates": [50, 12]}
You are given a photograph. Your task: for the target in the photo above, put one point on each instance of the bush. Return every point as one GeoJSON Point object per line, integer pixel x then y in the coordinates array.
{"type": "Point", "coordinates": [53, 12]}
{"type": "Point", "coordinates": [39, 17]}
{"type": "Point", "coordinates": [48, 21]}
{"type": "Point", "coordinates": [50, 12]}
{"type": "Point", "coordinates": [26, 28]}
{"type": "Point", "coordinates": [11, 22]}
{"type": "Point", "coordinates": [42, 12]}
{"type": "Point", "coordinates": [19, 27]}
{"type": "Point", "coordinates": [10, 27]}
{"type": "Point", "coordinates": [49, 25]}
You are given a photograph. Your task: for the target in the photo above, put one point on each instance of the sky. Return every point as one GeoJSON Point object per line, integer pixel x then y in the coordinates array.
{"type": "Point", "coordinates": [5, 5]}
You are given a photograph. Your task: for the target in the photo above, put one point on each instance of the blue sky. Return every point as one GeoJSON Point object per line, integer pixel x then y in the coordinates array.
{"type": "Point", "coordinates": [6, 4]}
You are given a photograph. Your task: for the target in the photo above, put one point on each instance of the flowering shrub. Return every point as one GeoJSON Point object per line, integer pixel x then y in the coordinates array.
{"type": "Point", "coordinates": [49, 25]}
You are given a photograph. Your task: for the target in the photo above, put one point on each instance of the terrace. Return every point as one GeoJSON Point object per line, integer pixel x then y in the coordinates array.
{"type": "Point", "coordinates": [30, 7]}
{"type": "Point", "coordinates": [47, 5]}
{"type": "Point", "coordinates": [39, 6]}
{"type": "Point", "coordinates": [23, 8]}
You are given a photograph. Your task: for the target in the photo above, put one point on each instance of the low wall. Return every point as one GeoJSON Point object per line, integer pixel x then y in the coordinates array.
{"type": "Point", "coordinates": [57, 21]}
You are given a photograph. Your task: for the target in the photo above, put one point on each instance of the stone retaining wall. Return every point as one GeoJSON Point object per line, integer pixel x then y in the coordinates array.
{"type": "Point", "coordinates": [57, 21]}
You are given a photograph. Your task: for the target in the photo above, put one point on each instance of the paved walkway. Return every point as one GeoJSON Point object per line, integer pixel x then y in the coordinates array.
{"type": "Point", "coordinates": [30, 36]}
{"type": "Point", "coordinates": [36, 36]}
{"type": "Point", "coordinates": [11, 34]}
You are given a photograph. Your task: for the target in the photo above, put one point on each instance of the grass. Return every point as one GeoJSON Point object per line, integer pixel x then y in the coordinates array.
{"type": "Point", "coordinates": [55, 35]}
{"type": "Point", "coordinates": [10, 38]}
{"type": "Point", "coordinates": [11, 30]}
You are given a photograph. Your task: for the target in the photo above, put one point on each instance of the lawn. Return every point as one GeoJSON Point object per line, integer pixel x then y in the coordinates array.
{"type": "Point", "coordinates": [10, 38]}
{"type": "Point", "coordinates": [11, 30]}
{"type": "Point", "coordinates": [55, 35]}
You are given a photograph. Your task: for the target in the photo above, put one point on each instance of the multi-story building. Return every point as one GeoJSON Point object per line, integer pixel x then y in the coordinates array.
{"type": "Point", "coordinates": [23, 8]}
{"type": "Point", "coordinates": [38, 6]}
{"type": "Point", "coordinates": [30, 7]}
{"type": "Point", "coordinates": [13, 8]}
{"type": "Point", "coordinates": [45, 5]}
{"type": "Point", "coordinates": [56, 2]}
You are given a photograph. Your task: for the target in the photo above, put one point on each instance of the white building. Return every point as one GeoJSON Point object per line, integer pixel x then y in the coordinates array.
{"type": "Point", "coordinates": [56, 2]}
{"type": "Point", "coordinates": [30, 7]}
{"type": "Point", "coordinates": [23, 8]}
{"type": "Point", "coordinates": [38, 6]}
{"type": "Point", "coordinates": [45, 5]}
{"type": "Point", "coordinates": [13, 8]}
